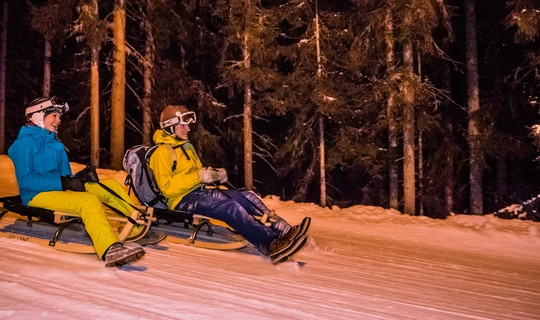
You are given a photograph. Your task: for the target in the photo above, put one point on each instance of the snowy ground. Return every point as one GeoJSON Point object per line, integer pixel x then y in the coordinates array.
{"type": "Point", "coordinates": [360, 263]}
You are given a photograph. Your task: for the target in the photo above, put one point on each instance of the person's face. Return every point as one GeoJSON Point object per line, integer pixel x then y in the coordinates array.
{"type": "Point", "coordinates": [52, 121]}
{"type": "Point", "coordinates": [181, 131]}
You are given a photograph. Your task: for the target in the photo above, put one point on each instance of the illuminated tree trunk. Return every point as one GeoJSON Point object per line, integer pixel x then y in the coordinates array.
{"type": "Point", "coordinates": [118, 85]}
{"type": "Point", "coordinates": [420, 149]}
{"type": "Point", "coordinates": [390, 112]}
{"type": "Point", "coordinates": [475, 151]}
{"type": "Point", "coordinates": [94, 94]}
{"type": "Point", "coordinates": [449, 175]}
{"type": "Point", "coordinates": [248, 104]}
{"type": "Point", "coordinates": [322, 163]}
{"type": "Point", "coordinates": [46, 90]}
{"type": "Point", "coordinates": [409, 193]}
{"type": "Point", "coordinates": [148, 79]}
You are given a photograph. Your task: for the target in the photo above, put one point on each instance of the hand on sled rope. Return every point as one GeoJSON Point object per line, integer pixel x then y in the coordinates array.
{"type": "Point", "coordinates": [88, 174]}
{"type": "Point", "coordinates": [210, 175]}
{"type": "Point", "coordinates": [72, 183]}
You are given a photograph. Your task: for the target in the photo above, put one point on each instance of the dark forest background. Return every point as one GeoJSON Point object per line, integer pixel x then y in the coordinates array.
{"type": "Point", "coordinates": [195, 56]}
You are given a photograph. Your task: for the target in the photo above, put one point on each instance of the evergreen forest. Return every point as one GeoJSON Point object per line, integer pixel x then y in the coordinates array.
{"type": "Point", "coordinates": [425, 106]}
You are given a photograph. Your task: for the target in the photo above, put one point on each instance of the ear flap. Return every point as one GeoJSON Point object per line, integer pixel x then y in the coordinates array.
{"type": "Point", "coordinates": [169, 130]}
{"type": "Point", "coordinates": [37, 119]}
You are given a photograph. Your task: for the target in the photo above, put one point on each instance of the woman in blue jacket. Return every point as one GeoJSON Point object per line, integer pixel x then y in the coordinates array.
{"type": "Point", "coordinates": [45, 180]}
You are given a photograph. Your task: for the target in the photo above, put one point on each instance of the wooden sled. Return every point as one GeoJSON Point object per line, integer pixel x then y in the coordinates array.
{"type": "Point", "coordinates": [184, 228]}
{"type": "Point", "coordinates": [62, 220]}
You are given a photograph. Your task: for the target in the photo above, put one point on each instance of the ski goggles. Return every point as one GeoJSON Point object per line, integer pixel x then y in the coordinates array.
{"type": "Point", "coordinates": [48, 106]}
{"type": "Point", "coordinates": [181, 118]}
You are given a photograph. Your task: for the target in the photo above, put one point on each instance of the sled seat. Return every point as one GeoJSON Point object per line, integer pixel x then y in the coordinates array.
{"type": "Point", "coordinates": [64, 219]}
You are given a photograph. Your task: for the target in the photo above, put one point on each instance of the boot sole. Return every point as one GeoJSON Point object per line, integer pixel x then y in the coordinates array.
{"type": "Point", "coordinates": [304, 226]}
{"type": "Point", "coordinates": [289, 251]}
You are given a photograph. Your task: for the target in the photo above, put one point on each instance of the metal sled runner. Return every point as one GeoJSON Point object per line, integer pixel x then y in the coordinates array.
{"type": "Point", "coordinates": [187, 229]}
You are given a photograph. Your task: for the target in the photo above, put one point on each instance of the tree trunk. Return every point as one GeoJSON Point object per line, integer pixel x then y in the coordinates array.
{"type": "Point", "coordinates": [420, 174]}
{"type": "Point", "coordinates": [248, 104]}
{"type": "Point", "coordinates": [94, 96]}
{"type": "Point", "coordinates": [475, 151]}
{"type": "Point", "coordinates": [3, 51]}
{"type": "Point", "coordinates": [148, 79]}
{"type": "Point", "coordinates": [322, 163]}
{"type": "Point", "coordinates": [118, 86]}
{"type": "Point", "coordinates": [448, 142]}
{"type": "Point", "coordinates": [409, 196]}
{"type": "Point", "coordinates": [46, 90]}
{"type": "Point", "coordinates": [390, 113]}
{"type": "Point", "coordinates": [420, 148]}
{"type": "Point", "coordinates": [502, 181]}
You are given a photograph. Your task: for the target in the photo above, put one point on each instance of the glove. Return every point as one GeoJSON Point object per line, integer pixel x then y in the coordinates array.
{"type": "Point", "coordinates": [209, 175]}
{"type": "Point", "coordinates": [72, 183]}
{"type": "Point", "coordinates": [205, 174]}
{"type": "Point", "coordinates": [88, 174]}
{"type": "Point", "coordinates": [221, 175]}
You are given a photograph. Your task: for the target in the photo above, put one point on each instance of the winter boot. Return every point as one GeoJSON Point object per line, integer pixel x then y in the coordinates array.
{"type": "Point", "coordinates": [280, 249]}
{"type": "Point", "coordinates": [152, 237]}
{"type": "Point", "coordinates": [117, 255]}
{"type": "Point", "coordinates": [298, 230]}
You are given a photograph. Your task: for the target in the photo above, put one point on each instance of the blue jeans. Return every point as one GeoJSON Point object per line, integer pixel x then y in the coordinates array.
{"type": "Point", "coordinates": [233, 208]}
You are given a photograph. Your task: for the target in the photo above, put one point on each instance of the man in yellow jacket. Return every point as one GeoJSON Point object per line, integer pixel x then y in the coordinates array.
{"type": "Point", "coordinates": [184, 186]}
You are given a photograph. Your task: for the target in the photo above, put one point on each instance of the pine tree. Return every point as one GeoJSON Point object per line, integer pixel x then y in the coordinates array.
{"type": "Point", "coordinates": [94, 31]}
{"type": "Point", "coordinates": [474, 134]}
{"type": "Point", "coordinates": [118, 87]}
{"type": "Point", "coordinates": [525, 15]}
{"type": "Point", "coordinates": [50, 20]}
{"type": "Point", "coordinates": [245, 64]}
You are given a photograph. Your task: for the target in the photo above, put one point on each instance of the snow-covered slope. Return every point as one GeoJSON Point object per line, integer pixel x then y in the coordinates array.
{"type": "Point", "coordinates": [360, 263]}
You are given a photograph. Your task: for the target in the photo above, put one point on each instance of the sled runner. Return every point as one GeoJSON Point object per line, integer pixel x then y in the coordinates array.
{"type": "Point", "coordinates": [38, 222]}
{"type": "Point", "coordinates": [196, 230]}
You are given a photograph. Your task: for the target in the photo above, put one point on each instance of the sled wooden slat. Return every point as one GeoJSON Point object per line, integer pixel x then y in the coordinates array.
{"type": "Point", "coordinates": [209, 245]}
{"type": "Point", "coordinates": [59, 245]}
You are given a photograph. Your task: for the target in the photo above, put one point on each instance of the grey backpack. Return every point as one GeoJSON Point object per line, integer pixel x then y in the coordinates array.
{"type": "Point", "coordinates": [140, 177]}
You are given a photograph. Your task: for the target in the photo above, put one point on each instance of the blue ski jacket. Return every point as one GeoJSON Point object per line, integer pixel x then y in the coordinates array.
{"type": "Point", "coordinates": [40, 159]}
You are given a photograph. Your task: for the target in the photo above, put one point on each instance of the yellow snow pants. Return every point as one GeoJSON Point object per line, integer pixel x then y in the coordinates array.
{"type": "Point", "coordinates": [88, 205]}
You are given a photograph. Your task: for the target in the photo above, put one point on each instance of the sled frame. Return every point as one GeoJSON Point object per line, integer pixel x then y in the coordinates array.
{"type": "Point", "coordinates": [64, 219]}
{"type": "Point", "coordinates": [198, 222]}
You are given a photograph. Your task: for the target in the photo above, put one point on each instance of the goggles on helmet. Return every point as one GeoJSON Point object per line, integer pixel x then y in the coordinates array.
{"type": "Point", "coordinates": [181, 118]}
{"type": "Point", "coordinates": [48, 106]}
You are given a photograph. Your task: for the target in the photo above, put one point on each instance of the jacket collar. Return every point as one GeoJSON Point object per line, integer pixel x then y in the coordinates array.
{"type": "Point", "coordinates": [160, 137]}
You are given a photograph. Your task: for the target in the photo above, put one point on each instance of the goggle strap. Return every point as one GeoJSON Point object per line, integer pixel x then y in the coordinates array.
{"type": "Point", "coordinates": [41, 106]}
{"type": "Point", "coordinates": [45, 105]}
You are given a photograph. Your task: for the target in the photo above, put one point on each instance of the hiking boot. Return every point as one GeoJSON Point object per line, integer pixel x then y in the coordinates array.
{"type": "Point", "coordinates": [152, 237]}
{"type": "Point", "coordinates": [117, 255]}
{"type": "Point", "coordinates": [281, 249]}
{"type": "Point", "coordinates": [298, 230]}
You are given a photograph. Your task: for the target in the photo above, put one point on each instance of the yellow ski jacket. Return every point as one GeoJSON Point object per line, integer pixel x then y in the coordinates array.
{"type": "Point", "coordinates": [175, 184]}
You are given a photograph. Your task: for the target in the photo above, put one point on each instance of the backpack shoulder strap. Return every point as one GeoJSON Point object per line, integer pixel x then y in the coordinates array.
{"type": "Point", "coordinates": [171, 151]}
